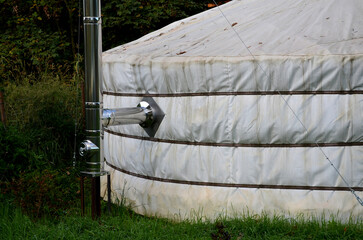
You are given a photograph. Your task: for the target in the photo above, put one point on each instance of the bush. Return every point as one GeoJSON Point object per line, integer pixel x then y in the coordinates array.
{"type": "Point", "coordinates": [46, 192]}
{"type": "Point", "coordinates": [41, 117]}
{"type": "Point", "coordinates": [37, 36]}
{"type": "Point", "coordinates": [15, 153]}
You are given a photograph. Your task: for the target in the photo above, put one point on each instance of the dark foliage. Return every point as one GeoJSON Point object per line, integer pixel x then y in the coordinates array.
{"type": "Point", "coordinates": [41, 124]}
{"type": "Point", "coordinates": [42, 35]}
{"type": "Point", "coordinates": [127, 20]}
{"type": "Point", "coordinates": [15, 155]}
{"type": "Point", "coordinates": [45, 192]}
{"type": "Point", "coordinates": [37, 36]}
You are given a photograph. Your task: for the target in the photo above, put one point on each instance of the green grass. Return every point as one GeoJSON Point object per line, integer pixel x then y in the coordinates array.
{"type": "Point", "coordinates": [124, 224]}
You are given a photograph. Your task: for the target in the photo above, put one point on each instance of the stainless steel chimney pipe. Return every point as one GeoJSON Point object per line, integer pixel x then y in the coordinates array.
{"type": "Point", "coordinates": [148, 114]}
{"type": "Point", "coordinates": [93, 75]}
{"type": "Point", "coordinates": [91, 148]}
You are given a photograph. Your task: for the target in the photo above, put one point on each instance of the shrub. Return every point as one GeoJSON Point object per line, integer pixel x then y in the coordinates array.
{"type": "Point", "coordinates": [46, 192]}
{"type": "Point", "coordinates": [15, 154]}
{"type": "Point", "coordinates": [37, 36]}
{"type": "Point", "coordinates": [42, 117]}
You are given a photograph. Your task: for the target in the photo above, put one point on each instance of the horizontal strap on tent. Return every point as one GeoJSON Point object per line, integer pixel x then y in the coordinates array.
{"type": "Point", "coordinates": [257, 93]}
{"type": "Point", "coordinates": [254, 145]}
{"type": "Point", "coordinates": [235, 185]}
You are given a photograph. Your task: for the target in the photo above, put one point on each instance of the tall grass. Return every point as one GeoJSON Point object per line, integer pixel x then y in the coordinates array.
{"type": "Point", "coordinates": [124, 224]}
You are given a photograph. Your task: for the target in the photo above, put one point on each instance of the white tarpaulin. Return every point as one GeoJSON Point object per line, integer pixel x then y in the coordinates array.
{"type": "Point", "coordinates": [250, 119]}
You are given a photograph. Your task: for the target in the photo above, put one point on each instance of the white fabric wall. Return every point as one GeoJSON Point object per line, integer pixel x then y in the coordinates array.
{"type": "Point", "coordinates": [181, 201]}
{"type": "Point", "coordinates": [230, 140]}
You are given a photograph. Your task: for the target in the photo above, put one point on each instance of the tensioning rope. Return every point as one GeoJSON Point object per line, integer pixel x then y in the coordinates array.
{"type": "Point", "coordinates": [289, 106]}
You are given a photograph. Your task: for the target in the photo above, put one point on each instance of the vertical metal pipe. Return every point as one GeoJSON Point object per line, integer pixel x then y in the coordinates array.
{"type": "Point", "coordinates": [96, 199]}
{"type": "Point", "coordinates": [93, 76]}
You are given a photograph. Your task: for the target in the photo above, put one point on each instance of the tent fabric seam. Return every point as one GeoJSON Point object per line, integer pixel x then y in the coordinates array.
{"type": "Point", "coordinates": [229, 120]}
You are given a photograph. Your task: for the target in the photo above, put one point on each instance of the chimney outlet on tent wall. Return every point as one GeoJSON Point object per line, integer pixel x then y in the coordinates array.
{"type": "Point", "coordinates": [147, 114]}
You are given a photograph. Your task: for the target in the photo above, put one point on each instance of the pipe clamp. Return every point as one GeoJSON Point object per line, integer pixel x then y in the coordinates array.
{"type": "Point", "coordinates": [92, 20]}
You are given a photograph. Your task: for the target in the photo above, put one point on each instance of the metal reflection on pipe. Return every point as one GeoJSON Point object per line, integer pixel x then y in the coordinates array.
{"type": "Point", "coordinates": [123, 116]}
{"type": "Point", "coordinates": [88, 149]}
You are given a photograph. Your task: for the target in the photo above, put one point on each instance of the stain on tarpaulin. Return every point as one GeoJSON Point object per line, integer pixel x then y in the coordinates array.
{"type": "Point", "coordinates": [171, 79]}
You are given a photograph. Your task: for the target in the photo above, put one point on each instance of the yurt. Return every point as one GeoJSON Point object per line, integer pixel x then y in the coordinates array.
{"type": "Point", "coordinates": [263, 104]}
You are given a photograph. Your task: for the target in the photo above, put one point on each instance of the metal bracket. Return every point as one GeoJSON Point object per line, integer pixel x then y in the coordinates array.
{"type": "Point", "coordinates": [158, 116]}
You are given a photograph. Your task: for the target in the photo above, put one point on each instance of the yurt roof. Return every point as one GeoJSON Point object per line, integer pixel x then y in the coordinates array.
{"type": "Point", "coordinates": [264, 27]}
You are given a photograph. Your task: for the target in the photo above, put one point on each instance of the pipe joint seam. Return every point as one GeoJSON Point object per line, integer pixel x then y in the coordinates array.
{"type": "Point", "coordinates": [92, 20]}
